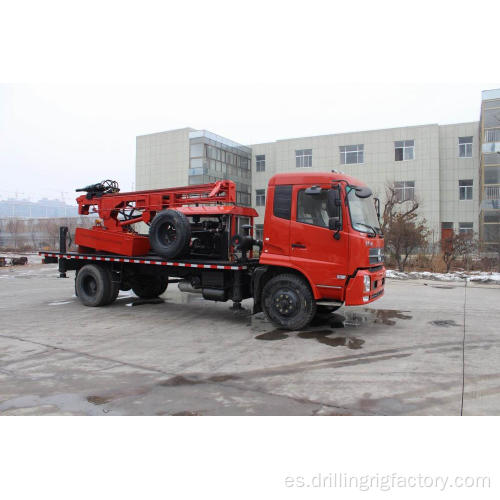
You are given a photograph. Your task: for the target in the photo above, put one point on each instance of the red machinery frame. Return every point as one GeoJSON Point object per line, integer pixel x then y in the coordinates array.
{"type": "Point", "coordinates": [118, 211]}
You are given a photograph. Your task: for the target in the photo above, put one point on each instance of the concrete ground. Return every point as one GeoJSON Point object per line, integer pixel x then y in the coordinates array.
{"type": "Point", "coordinates": [402, 355]}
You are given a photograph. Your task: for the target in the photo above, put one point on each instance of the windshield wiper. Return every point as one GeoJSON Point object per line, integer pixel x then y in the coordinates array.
{"type": "Point", "coordinates": [368, 226]}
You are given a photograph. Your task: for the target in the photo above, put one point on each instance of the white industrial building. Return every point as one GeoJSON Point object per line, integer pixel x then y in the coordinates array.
{"type": "Point", "coordinates": [442, 165]}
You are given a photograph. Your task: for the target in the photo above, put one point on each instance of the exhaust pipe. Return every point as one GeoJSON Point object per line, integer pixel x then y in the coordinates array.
{"type": "Point", "coordinates": [208, 293]}
{"type": "Point", "coordinates": [186, 286]}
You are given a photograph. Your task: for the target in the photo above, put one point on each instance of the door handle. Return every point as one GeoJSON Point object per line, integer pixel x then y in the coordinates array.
{"type": "Point", "coordinates": [298, 245]}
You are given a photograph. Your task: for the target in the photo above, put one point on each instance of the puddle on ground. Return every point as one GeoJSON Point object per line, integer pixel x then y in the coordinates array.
{"type": "Point", "coordinates": [272, 335]}
{"type": "Point", "coordinates": [350, 319]}
{"type": "Point", "coordinates": [349, 342]}
{"type": "Point", "coordinates": [178, 380]}
{"type": "Point", "coordinates": [444, 322]}
{"type": "Point", "coordinates": [379, 316]}
{"type": "Point", "coordinates": [98, 400]}
{"type": "Point", "coordinates": [323, 337]}
{"type": "Point", "coordinates": [314, 334]}
{"type": "Point", "coordinates": [445, 287]}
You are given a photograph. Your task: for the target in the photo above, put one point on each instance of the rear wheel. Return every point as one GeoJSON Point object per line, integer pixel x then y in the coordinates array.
{"type": "Point", "coordinates": [288, 301]}
{"type": "Point", "coordinates": [94, 286]}
{"type": "Point", "coordinates": [149, 286]}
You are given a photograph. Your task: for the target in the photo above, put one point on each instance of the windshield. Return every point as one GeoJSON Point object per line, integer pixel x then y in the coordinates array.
{"type": "Point", "coordinates": [363, 214]}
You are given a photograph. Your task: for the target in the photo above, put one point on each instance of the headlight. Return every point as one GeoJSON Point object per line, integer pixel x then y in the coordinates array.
{"type": "Point", "coordinates": [366, 280]}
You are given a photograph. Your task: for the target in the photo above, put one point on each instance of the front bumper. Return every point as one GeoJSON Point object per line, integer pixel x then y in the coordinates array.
{"type": "Point", "coordinates": [357, 295]}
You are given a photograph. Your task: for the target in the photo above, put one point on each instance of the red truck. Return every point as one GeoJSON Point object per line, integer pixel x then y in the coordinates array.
{"type": "Point", "coordinates": [322, 245]}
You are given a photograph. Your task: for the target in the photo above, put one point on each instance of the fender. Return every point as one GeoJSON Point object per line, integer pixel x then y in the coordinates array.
{"type": "Point", "coordinates": [261, 270]}
{"type": "Point", "coordinates": [256, 288]}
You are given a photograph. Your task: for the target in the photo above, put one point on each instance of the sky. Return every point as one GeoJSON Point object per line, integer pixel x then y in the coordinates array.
{"type": "Point", "coordinates": [78, 82]}
{"type": "Point", "coordinates": [55, 138]}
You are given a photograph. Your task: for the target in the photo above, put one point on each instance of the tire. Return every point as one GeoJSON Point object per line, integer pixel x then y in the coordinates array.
{"type": "Point", "coordinates": [94, 286]}
{"type": "Point", "coordinates": [149, 286]}
{"type": "Point", "coordinates": [288, 301]}
{"type": "Point", "coordinates": [114, 294]}
{"type": "Point", "coordinates": [170, 234]}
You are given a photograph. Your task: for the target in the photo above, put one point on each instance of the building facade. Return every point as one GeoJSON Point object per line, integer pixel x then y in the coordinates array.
{"type": "Point", "coordinates": [490, 169]}
{"type": "Point", "coordinates": [438, 165]}
{"type": "Point", "coordinates": [188, 156]}
{"type": "Point", "coordinates": [453, 170]}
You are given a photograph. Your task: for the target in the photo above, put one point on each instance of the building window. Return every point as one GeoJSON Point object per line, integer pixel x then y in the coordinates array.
{"type": "Point", "coordinates": [196, 150]}
{"type": "Point", "coordinates": [492, 135]}
{"type": "Point", "coordinates": [465, 227]}
{"type": "Point", "coordinates": [491, 233]}
{"type": "Point", "coordinates": [405, 190]}
{"type": "Point", "coordinates": [465, 147]}
{"type": "Point", "coordinates": [351, 154]}
{"type": "Point", "coordinates": [492, 216]}
{"type": "Point", "coordinates": [242, 198]}
{"type": "Point", "coordinates": [404, 150]}
{"type": "Point", "coordinates": [260, 163]}
{"type": "Point", "coordinates": [303, 158]}
{"type": "Point", "coordinates": [465, 189]}
{"type": "Point", "coordinates": [259, 231]}
{"type": "Point", "coordinates": [492, 175]}
{"type": "Point", "coordinates": [260, 197]}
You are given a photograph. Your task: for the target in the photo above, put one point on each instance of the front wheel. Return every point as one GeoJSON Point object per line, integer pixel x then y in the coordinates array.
{"type": "Point", "coordinates": [288, 302]}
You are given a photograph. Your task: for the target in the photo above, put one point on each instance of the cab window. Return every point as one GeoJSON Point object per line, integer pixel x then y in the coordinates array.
{"type": "Point", "coordinates": [311, 208]}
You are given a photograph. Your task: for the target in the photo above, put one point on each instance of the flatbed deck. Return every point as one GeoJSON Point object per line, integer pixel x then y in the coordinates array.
{"type": "Point", "coordinates": [152, 260]}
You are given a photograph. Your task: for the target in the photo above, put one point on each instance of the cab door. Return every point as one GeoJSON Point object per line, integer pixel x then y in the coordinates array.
{"type": "Point", "coordinates": [313, 248]}
{"type": "Point", "coordinates": [277, 227]}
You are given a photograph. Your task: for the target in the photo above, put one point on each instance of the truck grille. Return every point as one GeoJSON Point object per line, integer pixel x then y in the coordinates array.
{"type": "Point", "coordinates": [376, 255]}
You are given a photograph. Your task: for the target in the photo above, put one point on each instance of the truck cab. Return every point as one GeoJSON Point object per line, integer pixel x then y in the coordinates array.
{"type": "Point", "coordinates": [323, 228]}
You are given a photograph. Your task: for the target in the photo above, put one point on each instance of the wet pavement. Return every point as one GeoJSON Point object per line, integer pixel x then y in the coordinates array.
{"type": "Point", "coordinates": [402, 355]}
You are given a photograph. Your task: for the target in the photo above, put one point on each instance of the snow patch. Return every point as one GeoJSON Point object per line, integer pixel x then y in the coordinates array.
{"type": "Point", "coordinates": [476, 276]}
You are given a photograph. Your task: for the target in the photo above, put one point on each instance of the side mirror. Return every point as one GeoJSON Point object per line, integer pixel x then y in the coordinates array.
{"type": "Point", "coordinates": [377, 207]}
{"type": "Point", "coordinates": [362, 191]}
{"type": "Point", "coordinates": [333, 203]}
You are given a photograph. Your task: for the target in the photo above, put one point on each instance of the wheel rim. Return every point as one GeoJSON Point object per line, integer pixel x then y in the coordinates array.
{"type": "Point", "coordinates": [167, 233]}
{"type": "Point", "coordinates": [89, 286]}
{"type": "Point", "coordinates": [286, 302]}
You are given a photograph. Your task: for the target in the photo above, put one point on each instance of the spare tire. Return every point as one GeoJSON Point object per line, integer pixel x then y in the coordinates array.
{"type": "Point", "coordinates": [170, 234]}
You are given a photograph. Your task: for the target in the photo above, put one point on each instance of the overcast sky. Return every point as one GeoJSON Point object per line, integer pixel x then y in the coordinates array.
{"type": "Point", "coordinates": [251, 71]}
{"type": "Point", "coordinates": [54, 138]}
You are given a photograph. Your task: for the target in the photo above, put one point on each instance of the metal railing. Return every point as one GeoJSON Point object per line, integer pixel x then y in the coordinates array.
{"type": "Point", "coordinates": [492, 192]}
{"type": "Point", "coordinates": [492, 135]}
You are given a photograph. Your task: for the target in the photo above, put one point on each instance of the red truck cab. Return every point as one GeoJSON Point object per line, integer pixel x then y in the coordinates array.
{"type": "Point", "coordinates": [340, 253]}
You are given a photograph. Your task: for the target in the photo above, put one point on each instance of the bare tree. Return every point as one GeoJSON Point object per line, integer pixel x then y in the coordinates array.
{"type": "Point", "coordinates": [403, 231]}
{"type": "Point", "coordinates": [17, 229]}
{"type": "Point", "coordinates": [459, 245]}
